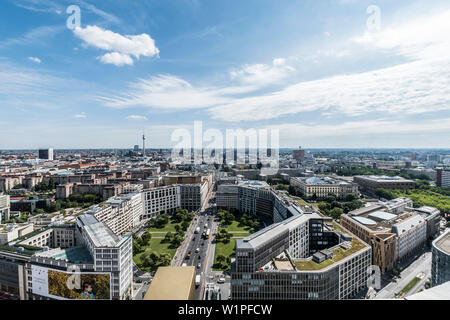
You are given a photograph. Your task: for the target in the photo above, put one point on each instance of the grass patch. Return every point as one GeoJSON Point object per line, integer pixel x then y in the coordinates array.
{"type": "Point", "coordinates": [170, 226]}
{"type": "Point", "coordinates": [409, 286]}
{"type": "Point", "coordinates": [338, 254]}
{"type": "Point", "coordinates": [157, 247]}
{"type": "Point", "coordinates": [226, 249]}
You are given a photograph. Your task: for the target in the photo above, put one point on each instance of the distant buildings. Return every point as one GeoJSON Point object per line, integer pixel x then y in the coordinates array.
{"type": "Point", "coordinates": [370, 184]}
{"type": "Point", "coordinates": [443, 177]}
{"type": "Point", "coordinates": [440, 263]}
{"type": "Point", "coordinates": [299, 154]}
{"type": "Point", "coordinates": [322, 187]}
{"type": "Point", "coordinates": [45, 154]}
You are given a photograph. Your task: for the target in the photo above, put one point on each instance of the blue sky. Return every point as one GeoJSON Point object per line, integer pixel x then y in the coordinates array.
{"type": "Point", "coordinates": [312, 69]}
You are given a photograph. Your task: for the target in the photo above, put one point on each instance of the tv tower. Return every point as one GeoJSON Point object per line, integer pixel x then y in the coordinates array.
{"type": "Point", "coordinates": [143, 145]}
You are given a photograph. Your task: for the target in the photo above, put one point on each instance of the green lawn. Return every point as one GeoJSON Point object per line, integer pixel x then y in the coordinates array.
{"type": "Point", "coordinates": [234, 226]}
{"type": "Point", "coordinates": [223, 249]}
{"type": "Point", "coordinates": [339, 254]}
{"type": "Point", "coordinates": [155, 246]}
{"type": "Point", "coordinates": [168, 227]}
{"type": "Point", "coordinates": [158, 235]}
{"type": "Point", "coordinates": [409, 286]}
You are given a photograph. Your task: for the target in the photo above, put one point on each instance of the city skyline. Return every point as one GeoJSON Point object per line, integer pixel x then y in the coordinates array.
{"type": "Point", "coordinates": [314, 71]}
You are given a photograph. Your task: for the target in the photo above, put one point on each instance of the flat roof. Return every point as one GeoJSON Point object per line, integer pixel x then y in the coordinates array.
{"type": "Point", "coordinates": [266, 234]}
{"type": "Point", "coordinates": [172, 283]}
{"type": "Point", "coordinates": [441, 292]}
{"type": "Point", "coordinates": [443, 242]}
{"type": "Point", "coordinates": [381, 215]}
{"type": "Point", "coordinates": [74, 255]}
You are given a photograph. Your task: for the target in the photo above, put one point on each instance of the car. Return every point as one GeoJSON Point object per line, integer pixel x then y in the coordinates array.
{"type": "Point", "coordinates": [199, 265]}
{"type": "Point", "coordinates": [203, 243]}
{"type": "Point", "coordinates": [193, 239]}
{"type": "Point", "coordinates": [221, 280]}
{"type": "Point", "coordinates": [199, 257]}
{"type": "Point", "coordinates": [197, 250]}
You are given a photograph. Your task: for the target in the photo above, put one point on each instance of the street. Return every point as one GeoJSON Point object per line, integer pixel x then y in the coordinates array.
{"type": "Point", "coordinates": [420, 267]}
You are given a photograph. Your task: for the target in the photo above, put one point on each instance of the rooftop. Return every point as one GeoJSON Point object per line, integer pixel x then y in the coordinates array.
{"type": "Point", "coordinates": [172, 283]}
{"type": "Point", "coordinates": [339, 254]}
{"type": "Point", "coordinates": [74, 255]}
{"type": "Point", "coordinates": [443, 242]}
{"type": "Point", "coordinates": [384, 178]}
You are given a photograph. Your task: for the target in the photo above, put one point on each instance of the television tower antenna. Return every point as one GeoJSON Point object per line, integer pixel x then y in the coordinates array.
{"type": "Point", "coordinates": [143, 144]}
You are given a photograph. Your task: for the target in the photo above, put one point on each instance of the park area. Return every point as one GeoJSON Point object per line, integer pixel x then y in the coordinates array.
{"type": "Point", "coordinates": [233, 227]}
{"type": "Point", "coordinates": [159, 243]}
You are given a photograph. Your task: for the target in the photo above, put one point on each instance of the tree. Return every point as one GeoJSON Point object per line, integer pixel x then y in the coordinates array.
{"type": "Point", "coordinates": [336, 213]}
{"type": "Point", "coordinates": [221, 258]}
{"type": "Point", "coordinates": [39, 211]}
{"type": "Point", "coordinates": [146, 237]}
{"type": "Point", "coordinates": [168, 237]}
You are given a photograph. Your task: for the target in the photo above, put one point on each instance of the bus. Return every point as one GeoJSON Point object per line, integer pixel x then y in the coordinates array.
{"type": "Point", "coordinates": [207, 233]}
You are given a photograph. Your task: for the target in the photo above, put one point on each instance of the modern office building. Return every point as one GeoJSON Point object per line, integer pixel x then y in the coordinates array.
{"type": "Point", "coordinates": [370, 184]}
{"type": "Point", "coordinates": [304, 257]}
{"type": "Point", "coordinates": [432, 218]}
{"type": "Point", "coordinates": [193, 196]}
{"type": "Point", "coordinates": [322, 187]}
{"type": "Point", "coordinates": [11, 232]}
{"type": "Point", "coordinates": [45, 154]}
{"type": "Point", "coordinates": [393, 237]}
{"type": "Point", "coordinates": [443, 177]}
{"type": "Point", "coordinates": [440, 260]}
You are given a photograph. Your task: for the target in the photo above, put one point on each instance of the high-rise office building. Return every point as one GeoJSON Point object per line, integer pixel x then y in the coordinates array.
{"type": "Point", "coordinates": [45, 154]}
{"type": "Point", "coordinates": [443, 177]}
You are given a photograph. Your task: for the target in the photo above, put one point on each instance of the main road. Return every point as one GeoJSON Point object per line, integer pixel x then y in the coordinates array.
{"type": "Point", "coordinates": [197, 249]}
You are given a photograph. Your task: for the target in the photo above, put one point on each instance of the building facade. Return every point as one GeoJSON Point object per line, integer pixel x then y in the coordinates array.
{"type": "Point", "coordinates": [440, 259]}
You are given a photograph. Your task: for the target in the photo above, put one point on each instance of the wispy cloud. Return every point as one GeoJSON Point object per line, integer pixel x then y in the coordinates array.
{"type": "Point", "coordinates": [34, 59]}
{"type": "Point", "coordinates": [81, 115]}
{"type": "Point", "coordinates": [136, 118]}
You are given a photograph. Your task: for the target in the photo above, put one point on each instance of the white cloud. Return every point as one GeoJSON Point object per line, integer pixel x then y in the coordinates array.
{"type": "Point", "coordinates": [262, 74]}
{"type": "Point", "coordinates": [81, 115]}
{"type": "Point", "coordinates": [34, 59]}
{"type": "Point", "coordinates": [123, 48]}
{"type": "Point", "coordinates": [117, 59]}
{"type": "Point", "coordinates": [166, 92]}
{"type": "Point", "coordinates": [137, 118]}
{"type": "Point", "coordinates": [392, 90]}
{"type": "Point", "coordinates": [425, 37]}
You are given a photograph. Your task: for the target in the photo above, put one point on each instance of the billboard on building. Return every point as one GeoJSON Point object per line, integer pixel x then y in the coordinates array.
{"type": "Point", "coordinates": [65, 285]}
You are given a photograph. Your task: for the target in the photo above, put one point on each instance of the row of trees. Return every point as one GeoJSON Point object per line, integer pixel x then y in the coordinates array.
{"type": "Point", "coordinates": [45, 186]}
{"type": "Point", "coordinates": [334, 207]}
{"type": "Point", "coordinates": [419, 197]}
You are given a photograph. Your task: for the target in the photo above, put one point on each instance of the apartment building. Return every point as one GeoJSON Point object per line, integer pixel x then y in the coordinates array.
{"type": "Point", "coordinates": [301, 258]}
{"type": "Point", "coordinates": [440, 259]}
{"type": "Point", "coordinates": [370, 184]}
{"type": "Point", "coordinates": [322, 187]}
{"type": "Point", "coordinates": [161, 200]}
